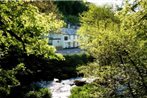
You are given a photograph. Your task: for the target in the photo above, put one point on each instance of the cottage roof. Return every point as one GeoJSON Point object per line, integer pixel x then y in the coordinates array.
{"type": "Point", "coordinates": [69, 31]}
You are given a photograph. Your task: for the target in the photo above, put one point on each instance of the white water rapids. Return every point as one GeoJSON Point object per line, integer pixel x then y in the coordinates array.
{"type": "Point", "coordinates": [62, 89]}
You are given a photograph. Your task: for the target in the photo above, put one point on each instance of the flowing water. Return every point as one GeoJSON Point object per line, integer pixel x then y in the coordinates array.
{"type": "Point", "coordinates": [62, 89]}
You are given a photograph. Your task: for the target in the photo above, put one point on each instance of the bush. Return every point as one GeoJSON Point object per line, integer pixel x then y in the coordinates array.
{"type": "Point", "coordinates": [4, 92]}
{"type": "Point", "coordinates": [41, 93]}
{"type": "Point", "coordinates": [90, 91]}
{"type": "Point", "coordinates": [81, 92]}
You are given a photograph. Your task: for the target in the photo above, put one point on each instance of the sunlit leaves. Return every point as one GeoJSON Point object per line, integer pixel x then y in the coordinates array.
{"type": "Point", "coordinates": [22, 30]}
{"type": "Point", "coordinates": [118, 42]}
{"type": "Point", "coordinates": [28, 24]}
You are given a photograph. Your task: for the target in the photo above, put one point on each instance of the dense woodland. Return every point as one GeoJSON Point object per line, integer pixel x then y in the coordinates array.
{"type": "Point", "coordinates": [115, 44]}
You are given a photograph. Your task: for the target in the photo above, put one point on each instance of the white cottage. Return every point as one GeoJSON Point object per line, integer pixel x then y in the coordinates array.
{"type": "Point", "coordinates": [66, 39]}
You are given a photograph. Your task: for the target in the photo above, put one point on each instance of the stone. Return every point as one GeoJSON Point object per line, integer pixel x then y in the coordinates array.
{"type": "Point", "coordinates": [56, 80]}
{"type": "Point", "coordinates": [79, 83]}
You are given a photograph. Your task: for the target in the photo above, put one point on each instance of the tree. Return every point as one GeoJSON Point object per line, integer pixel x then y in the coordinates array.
{"type": "Point", "coordinates": [45, 6]}
{"type": "Point", "coordinates": [70, 7]}
{"type": "Point", "coordinates": [70, 11]}
{"type": "Point", "coordinates": [118, 43]}
{"type": "Point", "coordinates": [22, 30]}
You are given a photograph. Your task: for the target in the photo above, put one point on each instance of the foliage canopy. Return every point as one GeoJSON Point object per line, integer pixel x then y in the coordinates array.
{"type": "Point", "coordinates": [118, 43]}
{"type": "Point", "coordinates": [22, 32]}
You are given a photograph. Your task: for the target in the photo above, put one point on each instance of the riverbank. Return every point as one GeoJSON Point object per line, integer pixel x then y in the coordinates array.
{"type": "Point", "coordinates": [62, 89]}
{"type": "Point", "coordinates": [71, 51]}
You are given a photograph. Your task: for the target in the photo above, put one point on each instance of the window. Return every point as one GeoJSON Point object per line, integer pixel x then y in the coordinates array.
{"type": "Point", "coordinates": [65, 38]}
{"type": "Point", "coordinates": [74, 36]}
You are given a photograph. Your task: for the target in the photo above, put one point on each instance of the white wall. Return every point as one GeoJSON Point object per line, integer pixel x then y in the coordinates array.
{"type": "Point", "coordinates": [58, 40]}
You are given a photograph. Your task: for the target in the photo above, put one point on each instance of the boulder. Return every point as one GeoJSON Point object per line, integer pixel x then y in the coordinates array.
{"type": "Point", "coordinates": [56, 80]}
{"type": "Point", "coordinates": [79, 83]}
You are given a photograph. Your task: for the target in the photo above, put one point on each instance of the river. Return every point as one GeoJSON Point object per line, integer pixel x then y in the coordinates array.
{"type": "Point", "coordinates": [61, 89]}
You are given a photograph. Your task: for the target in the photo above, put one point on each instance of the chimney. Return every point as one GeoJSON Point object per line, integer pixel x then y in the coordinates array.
{"type": "Point", "coordinates": [68, 25]}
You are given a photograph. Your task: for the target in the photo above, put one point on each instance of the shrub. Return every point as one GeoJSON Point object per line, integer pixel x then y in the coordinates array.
{"type": "Point", "coordinates": [81, 92]}
{"type": "Point", "coordinates": [92, 90]}
{"type": "Point", "coordinates": [41, 93]}
{"type": "Point", "coordinates": [4, 92]}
